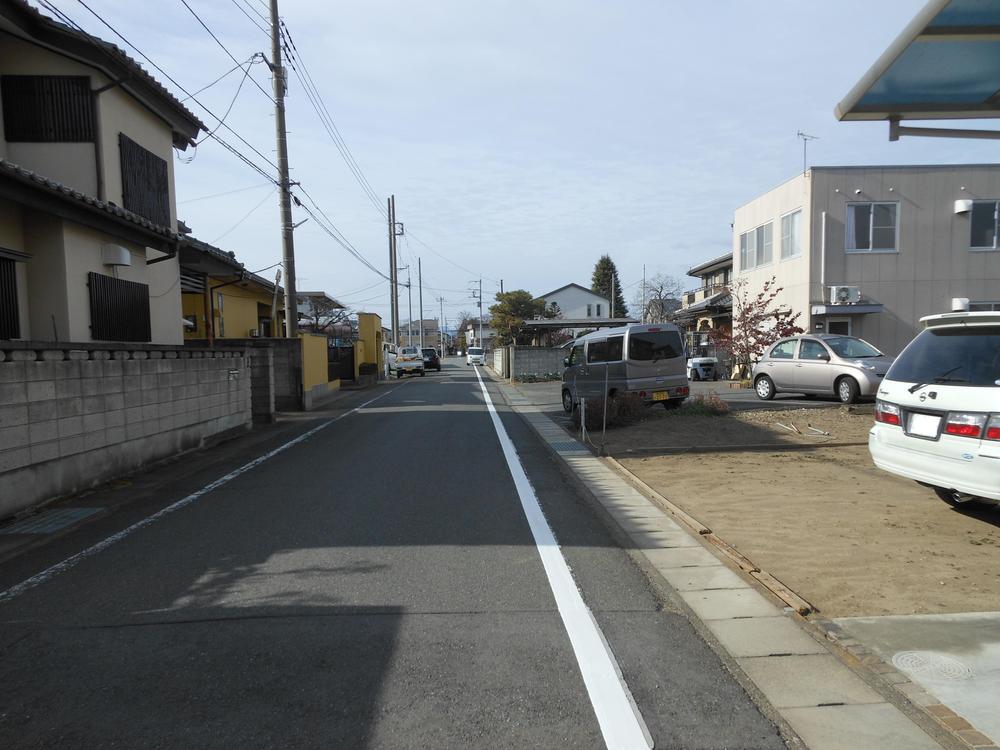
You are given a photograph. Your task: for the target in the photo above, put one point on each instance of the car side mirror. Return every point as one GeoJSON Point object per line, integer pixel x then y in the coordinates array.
{"type": "Point", "coordinates": [823, 356]}
{"type": "Point", "coordinates": [565, 361]}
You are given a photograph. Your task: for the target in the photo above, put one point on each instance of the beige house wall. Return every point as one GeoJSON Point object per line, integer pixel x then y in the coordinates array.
{"type": "Point", "coordinates": [45, 272]}
{"type": "Point", "coordinates": [792, 274]}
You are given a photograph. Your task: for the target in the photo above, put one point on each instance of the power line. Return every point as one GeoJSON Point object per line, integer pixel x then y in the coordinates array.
{"type": "Point", "coordinates": [323, 112]}
{"type": "Point", "coordinates": [251, 18]}
{"type": "Point", "coordinates": [449, 260]}
{"type": "Point", "coordinates": [245, 217]}
{"type": "Point", "coordinates": [224, 48]}
{"type": "Point", "coordinates": [103, 46]}
{"type": "Point", "coordinates": [224, 75]}
{"type": "Point", "coordinates": [331, 229]}
{"type": "Point", "coordinates": [228, 192]}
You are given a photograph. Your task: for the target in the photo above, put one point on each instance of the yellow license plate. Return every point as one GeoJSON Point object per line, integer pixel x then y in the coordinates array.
{"type": "Point", "coordinates": [660, 395]}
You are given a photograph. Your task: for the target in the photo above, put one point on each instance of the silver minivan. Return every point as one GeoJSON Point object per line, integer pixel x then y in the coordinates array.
{"type": "Point", "coordinates": [647, 361]}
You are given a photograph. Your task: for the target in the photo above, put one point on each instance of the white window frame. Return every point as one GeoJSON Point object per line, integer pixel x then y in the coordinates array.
{"type": "Point", "coordinates": [848, 225]}
{"type": "Point", "coordinates": [797, 244]}
{"type": "Point", "coordinates": [996, 228]}
{"type": "Point", "coordinates": [746, 252]}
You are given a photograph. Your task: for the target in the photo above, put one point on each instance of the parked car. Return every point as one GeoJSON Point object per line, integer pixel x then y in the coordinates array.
{"type": "Point", "coordinates": [703, 368]}
{"type": "Point", "coordinates": [642, 360]}
{"type": "Point", "coordinates": [475, 356]}
{"type": "Point", "coordinates": [389, 357]}
{"type": "Point", "coordinates": [432, 361]}
{"type": "Point", "coordinates": [409, 360]}
{"type": "Point", "coordinates": [937, 416]}
{"type": "Point", "coordinates": [821, 365]}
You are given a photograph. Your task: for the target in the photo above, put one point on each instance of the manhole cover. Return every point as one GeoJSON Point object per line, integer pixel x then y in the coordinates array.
{"type": "Point", "coordinates": [929, 664]}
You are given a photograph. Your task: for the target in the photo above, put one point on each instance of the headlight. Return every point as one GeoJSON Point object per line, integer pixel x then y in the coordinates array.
{"type": "Point", "coordinates": [866, 366]}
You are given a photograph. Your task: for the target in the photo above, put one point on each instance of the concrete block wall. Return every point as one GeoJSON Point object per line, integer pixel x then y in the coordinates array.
{"type": "Point", "coordinates": [286, 375]}
{"type": "Point", "coordinates": [526, 360]}
{"type": "Point", "coordinates": [262, 384]}
{"type": "Point", "coordinates": [74, 415]}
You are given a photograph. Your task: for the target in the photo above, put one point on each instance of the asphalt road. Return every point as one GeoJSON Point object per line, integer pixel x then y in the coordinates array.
{"type": "Point", "coordinates": [374, 585]}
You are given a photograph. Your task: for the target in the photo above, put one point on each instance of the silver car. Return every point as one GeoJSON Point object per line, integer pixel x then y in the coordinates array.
{"type": "Point", "coordinates": [821, 365]}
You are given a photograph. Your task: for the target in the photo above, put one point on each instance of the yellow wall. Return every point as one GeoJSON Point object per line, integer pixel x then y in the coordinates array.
{"type": "Point", "coordinates": [238, 314]}
{"type": "Point", "coordinates": [370, 334]}
{"type": "Point", "coordinates": [314, 360]}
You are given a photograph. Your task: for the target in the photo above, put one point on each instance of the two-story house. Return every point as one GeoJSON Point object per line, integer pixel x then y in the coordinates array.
{"type": "Point", "coordinates": [88, 222]}
{"type": "Point", "coordinates": [709, 306]}
{"type": "Point", "coordinates": [576, 301]}
{"type": "Point", "coordinates": [867, 251]}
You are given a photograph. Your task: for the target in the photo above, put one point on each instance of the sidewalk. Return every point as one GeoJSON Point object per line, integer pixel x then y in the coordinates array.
{"type": "Point", "coordinates": [824, 692]}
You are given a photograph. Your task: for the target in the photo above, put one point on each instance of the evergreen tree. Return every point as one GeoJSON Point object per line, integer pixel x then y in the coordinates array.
{"type": "Point", "coordinates": [604, 272]}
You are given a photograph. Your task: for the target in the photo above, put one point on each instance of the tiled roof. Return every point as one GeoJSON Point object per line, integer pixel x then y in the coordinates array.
{"type": "Point", "coordinates": [34, 180]}
{"type": "Point", "coordinates": [229, 258]}
{"type": "Point", "coordinates": [101, 58]}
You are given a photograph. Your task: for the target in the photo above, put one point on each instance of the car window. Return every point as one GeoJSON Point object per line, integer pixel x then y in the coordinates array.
{"type": "Point", "coordinates": [597, 351]}
{"type": "Point", "coordinates": [812, 350]}
{"type": "Point", "coordinates": [784, 350]}
{"type": "Point", "coordinates": [849, 347]}
{"type": "Point", "coordinates": [952, 356]}
{"type": "Point", "coordinates": [615, 345]}
{"type": "Point", "coordinates": [430, 352]}
{"type": "Point", "coordinates": [576, 355]}
{"type": "Point", "coordinates": [475, 350]}
{"type": "Point", "coordinates": [645, 346]}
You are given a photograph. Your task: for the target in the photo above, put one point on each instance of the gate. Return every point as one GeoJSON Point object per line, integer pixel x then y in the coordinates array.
{"type": "Point", "coordinates": [340, 362]}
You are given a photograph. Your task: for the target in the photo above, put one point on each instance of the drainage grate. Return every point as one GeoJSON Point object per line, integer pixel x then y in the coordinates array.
{"type": "Point", "coordinates": [568, 445]}
{"type": "Point", "coordinates": [49, 521]}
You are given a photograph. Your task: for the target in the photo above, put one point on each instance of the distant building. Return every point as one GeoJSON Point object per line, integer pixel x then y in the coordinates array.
{"type": "Point", "coordinates": [709, 306]}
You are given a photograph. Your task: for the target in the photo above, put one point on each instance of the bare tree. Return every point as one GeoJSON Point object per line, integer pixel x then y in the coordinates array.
{"type": "Point", "coordinates": [324, 316]}
{"type": "Point", "coordinates": [662, 298]}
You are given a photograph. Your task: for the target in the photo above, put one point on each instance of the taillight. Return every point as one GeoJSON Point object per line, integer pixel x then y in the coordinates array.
{"type": "Point", "coordinates": [993, 428]}
{"type": "Point", "coordinates": [886, 413]}
{"type": "Point", "coordinates": [964, 424]}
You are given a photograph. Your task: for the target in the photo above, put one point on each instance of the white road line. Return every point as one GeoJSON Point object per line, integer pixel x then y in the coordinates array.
{"type": "Point", "coordinates": [618, 716]}
{"type": "Point", "coordinates": [71, 562]}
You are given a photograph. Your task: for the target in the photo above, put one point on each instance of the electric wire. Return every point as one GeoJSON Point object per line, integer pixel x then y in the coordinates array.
{"type": "Point", "coordinates": [228, 192]}
{"type": "Point", "coordinates": [245, 217]}
{"type": "Point", "coordinates": [104, 47]}
{"type": "Point", "coordinates": [224, 47]}
{"type": "Point", "coordinates": [224, 75]}
{"type": "Point", "coordinates": [249, 17]}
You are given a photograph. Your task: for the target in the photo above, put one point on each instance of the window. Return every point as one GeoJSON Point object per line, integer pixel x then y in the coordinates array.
{"type": "Point", "coordinates": [871, 227]}
{"type": "Point", "coordinates": [841, 326]}
{"type": "Point", "coordinates": [615, 348]}
{"type": "Point", "coordinates": [576, 355]}
{"type": "Point", "coordinates": [984, 225]}
{"type": "Point", "coordinates": [956, 356]}
{"type": "Point", "coordinates": [590, 311]}
{"type": "Point", "coordinates": [783, 350]}
{"type": "Point", "coordinates": [47, 109]}
{"type": "Point", "coordinates": [119, 310]}
{"type": "Point", "coordinates": [598, 310]}
{"type": "Point", "coordinates": [10, 325]}
{"type": "Point", "coordinates": [984, 306]}
{"type": "Point", "coordinates": [597, 351]}
{"type": "Point", "coordinates": [755, 247]}
{"type": "Point", "coordinates": [812, 350]}
{"type": "Point", "coordinates": [145, 185]}
{"type": "Point", "coordinates": [653, 345]}
{"type": "Point", "coordinates": [791, 235]}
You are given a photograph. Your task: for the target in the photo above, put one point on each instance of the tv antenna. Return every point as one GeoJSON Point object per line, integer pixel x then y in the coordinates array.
{"type": "Point", "coordinates": [805, 144]}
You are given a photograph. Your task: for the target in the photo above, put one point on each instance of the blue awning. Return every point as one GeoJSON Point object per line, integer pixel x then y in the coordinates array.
{"type": "Point", "coordinates": [945, 65]}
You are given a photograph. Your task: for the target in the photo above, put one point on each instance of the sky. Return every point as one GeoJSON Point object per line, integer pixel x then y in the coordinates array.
{"type": "Point", "coordinates": [522, 140]}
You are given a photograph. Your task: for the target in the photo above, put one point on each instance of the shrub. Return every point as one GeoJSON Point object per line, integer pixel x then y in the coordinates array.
{"type": "Point", "coordinates": [538, 377]}
{"type": "Point", "coordinates": [703, 406]}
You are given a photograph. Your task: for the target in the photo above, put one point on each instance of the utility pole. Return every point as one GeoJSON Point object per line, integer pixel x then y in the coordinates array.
{"type": "Point", "coordinates": [501, 286]}
{"type": "Point", "coordinates": [420, 286]}
{"type": "Point", "coordinates": [274, 305]}
{"type": "Point", "coordinates": [481, 315]}
{"type": "Point", "coordinates": [409, 298]}
{"type": "Point", "coordinates": [284, 183]}
{"type": "Point", "coordinates": [441, 326]}
{"type": "Point", "coordinates": [393, 275]}
{"type": "Point", "coordinates": [612, 295]}
{"type": "Point", "coordinates": [643, 292]}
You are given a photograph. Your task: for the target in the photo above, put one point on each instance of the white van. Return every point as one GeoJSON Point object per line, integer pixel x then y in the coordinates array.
{"type": "Point", "coordinates": [647, 361]}
{"type": "Point", "coordinates": [937, 413]}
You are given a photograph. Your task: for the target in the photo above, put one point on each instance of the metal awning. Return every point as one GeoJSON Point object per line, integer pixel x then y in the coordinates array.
{"type": "Point", "coordinates": [846, 309]}
{"type": "Point", "coordinates": [556, 324]}
{"type": "Point", "coordinates": [944, 65]}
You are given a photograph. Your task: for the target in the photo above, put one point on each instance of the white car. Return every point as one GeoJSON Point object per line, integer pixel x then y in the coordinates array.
{"type": "Point", "coordinates": [410, 360]}
{"type": "Point", "coordinates": [937, 413]}
{"type": "Point", "coordinates": [475, 356]}
{"type": "Point", "coordinates": [389, 357]}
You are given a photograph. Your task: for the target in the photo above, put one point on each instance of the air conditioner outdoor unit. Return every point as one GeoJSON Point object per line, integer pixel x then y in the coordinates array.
{"type": "Point", "coordinates": [844, 295]}
{"type": "Point", "coordinates": [115, 255]}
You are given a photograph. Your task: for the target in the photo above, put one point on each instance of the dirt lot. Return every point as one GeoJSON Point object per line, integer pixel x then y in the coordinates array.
{"type": "Point", "coordinates": [850, 539]}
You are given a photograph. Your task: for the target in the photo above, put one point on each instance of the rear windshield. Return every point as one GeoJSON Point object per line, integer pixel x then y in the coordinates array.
{"type": "Point", "coordinates": [430, 352]}
{"type": "Point", "coordinates": [852, 348]}
{"type": "Point", "coordinates": [407, 350]}
{"type": "Point", "coordinates": [956, 356]}
{"type": "Point", "coordinates": [653, 345]}
{"type": "Point", "coordinates": [475, 350]}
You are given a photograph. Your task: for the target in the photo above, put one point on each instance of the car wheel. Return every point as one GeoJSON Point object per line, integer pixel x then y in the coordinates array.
{"type": "Point", "coordinates": [847, 390]}
{"type": "Point", "coordinates": [422, 373]}
{"type": "Point", "coordinates": [764, 388]}
{"type": "Point", "coordinates": [673, 403]}
{"type": "Point", "coordinates": [567, 402]}
{"type": "Point", "coordinates": [695, 375]}
{"type": "Point", "coordinates": [399, 374]}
